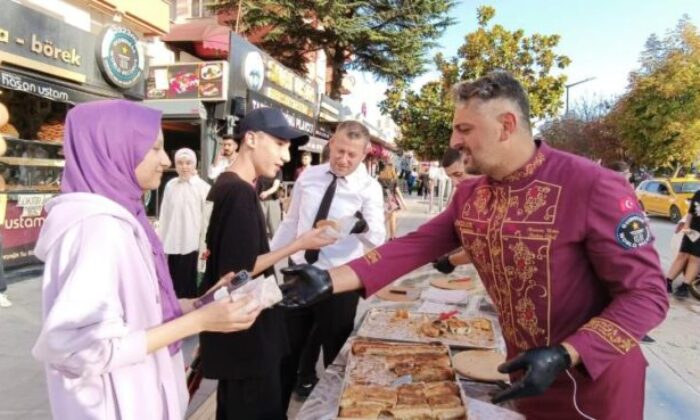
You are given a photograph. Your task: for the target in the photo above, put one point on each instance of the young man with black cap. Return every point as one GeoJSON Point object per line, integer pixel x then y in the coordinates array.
{"type": "Point", "coordinates": [247, 364]}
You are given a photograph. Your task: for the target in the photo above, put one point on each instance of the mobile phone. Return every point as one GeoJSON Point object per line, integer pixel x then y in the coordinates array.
{"type": "Point", "coordinates": [241, 278]}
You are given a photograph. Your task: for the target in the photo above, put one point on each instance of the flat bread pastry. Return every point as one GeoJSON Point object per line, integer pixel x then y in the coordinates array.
{"type": "Point", "coordinates": [361, 411]}
{"type": "Point", "coordinates": [357, 394]}
{"type": "Point", "coordinates": [411, 412]}
{"type": "Point", "coordinates": [333, 224]}
{"type": "Point", "coordinates": [432, 373]}
{"type": "Point", "coordinates": [444, 401]}
{"type": "Point", "coordinates": [386, 349]}
{"type": "Point", "coordinates": [441, 388]}
{"type": "Point", "coordinates": [481, 365]}
{"type": "Point", "coordinates": [418, 359]}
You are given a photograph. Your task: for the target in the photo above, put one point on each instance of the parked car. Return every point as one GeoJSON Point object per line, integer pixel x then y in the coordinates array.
{"type": "Point", "coordinates": [667, 197]}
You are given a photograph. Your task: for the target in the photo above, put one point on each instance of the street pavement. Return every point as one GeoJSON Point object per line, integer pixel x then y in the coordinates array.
{"type": "Point", "coordinates": [673, 377]}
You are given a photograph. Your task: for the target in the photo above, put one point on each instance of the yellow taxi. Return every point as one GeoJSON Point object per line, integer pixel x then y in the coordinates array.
{"type": "Point", "coordinates": [667, 197]}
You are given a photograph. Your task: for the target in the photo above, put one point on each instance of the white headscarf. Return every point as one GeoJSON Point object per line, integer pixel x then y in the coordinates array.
{"type": "Point", "coordinates": [188, 153]}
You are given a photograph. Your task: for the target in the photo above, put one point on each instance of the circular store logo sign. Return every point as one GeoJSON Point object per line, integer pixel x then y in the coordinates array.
{"type": "Point", "coordinates": [121, 57]}
{"type": "Point", "coordinates": [254, 70]}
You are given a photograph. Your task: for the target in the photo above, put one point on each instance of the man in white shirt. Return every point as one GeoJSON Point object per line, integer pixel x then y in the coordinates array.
{"type": "Point", "coordinates": [352, 190]}
{"type": "Point", "coordinates": [181, 215]}
{"type": "Point", "coordinates": [224, 158]}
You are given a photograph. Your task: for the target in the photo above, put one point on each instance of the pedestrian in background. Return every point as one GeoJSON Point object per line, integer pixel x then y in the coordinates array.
{"type": "Point", "coordinates": [269, 194]}
{"type": "Point", "coordinates": [623, 168]}
{"type": "Point", "coordinates": [112, 325]}
{"type": "Point", "coordinates": [180, 222]}
{"type": "Point", "coordinates": [411, 180]}
{"type": "Point", "coordinates": [305, 163]}
{"type": "Point", "coordinates": [225, 156]}
{"type": "Point", "coordinates": [424, 182]}
{"type": "Point", "coordinates": [393, 200]}
{"type": "Point", "coordinates": [688, 259]}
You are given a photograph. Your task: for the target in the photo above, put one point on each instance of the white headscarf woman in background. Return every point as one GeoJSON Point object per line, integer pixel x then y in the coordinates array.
{"type": "Point", "coordinates": [181, 221]}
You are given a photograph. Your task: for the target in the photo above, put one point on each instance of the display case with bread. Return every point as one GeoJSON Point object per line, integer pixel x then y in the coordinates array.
{"type": "Point", "coordinates": [31, 165]}
{"type": "Point", "coordinates": [51, 131]}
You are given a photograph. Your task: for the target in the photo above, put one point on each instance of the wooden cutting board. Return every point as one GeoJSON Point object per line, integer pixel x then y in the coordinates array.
{"type": "Point", "coordinates": [480, 365]}
{"type": "Point", "coordinates": [399, 294]}
{"type": "Point", "coordinates": [463, 283]}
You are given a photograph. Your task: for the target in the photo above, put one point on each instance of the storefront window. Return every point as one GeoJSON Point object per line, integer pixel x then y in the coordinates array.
{"type": "Point", "coordinates": [30, 170]}
{"type": "Point", "coordinates": [200, 9]}
{"type": "Point", "coordinates": [34, 136]}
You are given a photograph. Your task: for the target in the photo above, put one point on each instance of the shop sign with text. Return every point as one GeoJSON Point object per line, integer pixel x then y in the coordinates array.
{"type": "Point", "coordinates": [295, 118]}
{"type": "Point", "coordinates": [42, 44]}
{"type": "Point", "coordinates": [252, 70]}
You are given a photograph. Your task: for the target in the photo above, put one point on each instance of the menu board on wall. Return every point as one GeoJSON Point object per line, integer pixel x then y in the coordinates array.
{"type": "Point", "coordinates": [205, 81]}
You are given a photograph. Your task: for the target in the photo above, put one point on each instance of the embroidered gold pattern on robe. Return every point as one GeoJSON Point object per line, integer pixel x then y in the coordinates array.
{"type": "Point", "coordinates": [372, 257]}
{"type": "Point", "coordinates": [483, 195]}
{"type": "Point", "coordinates": [528, 169]}
{"type": "Point", "coordinates": [612, 333]}
{"type": "Point", "coordinates": [511, 249]}
{"type": "Point", "coordinates": [535, 198]}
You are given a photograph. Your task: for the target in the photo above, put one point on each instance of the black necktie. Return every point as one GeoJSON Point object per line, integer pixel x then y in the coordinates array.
{"type": "Point", "coordinates": [311, 255]}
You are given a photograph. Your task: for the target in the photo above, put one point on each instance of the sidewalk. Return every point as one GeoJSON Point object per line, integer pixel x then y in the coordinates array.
{"type": "Point", "coordinates": [673, 377]}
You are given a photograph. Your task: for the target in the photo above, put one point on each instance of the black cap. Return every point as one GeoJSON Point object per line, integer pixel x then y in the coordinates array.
{"type": "Point", "coordinates": [272, 122]}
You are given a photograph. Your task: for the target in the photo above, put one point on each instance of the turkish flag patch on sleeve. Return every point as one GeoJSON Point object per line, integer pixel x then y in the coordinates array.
{"type": "Point", "coordinates": [627, 204]}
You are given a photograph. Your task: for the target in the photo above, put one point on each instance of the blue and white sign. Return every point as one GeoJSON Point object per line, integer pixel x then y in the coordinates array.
{"type": "Point", "coordinates": [121, 56]}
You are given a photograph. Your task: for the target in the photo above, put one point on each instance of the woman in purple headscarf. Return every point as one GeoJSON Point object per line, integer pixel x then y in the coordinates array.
{"type": "Point", "coordinates": [112, 323]}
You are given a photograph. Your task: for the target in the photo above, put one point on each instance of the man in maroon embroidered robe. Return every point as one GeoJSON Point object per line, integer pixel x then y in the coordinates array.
{"type": "Point", "coordinates": [562, 248]}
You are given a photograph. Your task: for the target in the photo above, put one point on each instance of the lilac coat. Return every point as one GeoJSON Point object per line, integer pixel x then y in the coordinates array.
{"type": "Point", "coordinates": [100, 295]}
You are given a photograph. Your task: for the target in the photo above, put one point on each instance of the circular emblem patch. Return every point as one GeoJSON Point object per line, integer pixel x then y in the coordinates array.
{"type": "Point", "coordinates": [121, 57]}
{"type": "Point", "coordinates": [633, 231]}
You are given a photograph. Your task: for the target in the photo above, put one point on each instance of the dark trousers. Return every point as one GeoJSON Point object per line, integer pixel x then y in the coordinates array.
{"type": "Point", "coordinates": [331, 320]}
{"type": "Point", "coordinates": [309, 356]}
{"type": "Point", "coordinates": [183, 270]}
{"type": "Point", "coordinates": [257, 398]}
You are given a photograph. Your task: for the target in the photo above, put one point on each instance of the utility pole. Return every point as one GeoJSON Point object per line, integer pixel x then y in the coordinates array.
{"type": "Point", "coordinates": [570, 85]}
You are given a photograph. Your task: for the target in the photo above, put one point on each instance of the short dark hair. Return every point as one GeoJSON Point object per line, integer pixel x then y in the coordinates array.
{"type": "Point", "coordinates": [495, 85]}
{"type": "Point", "coordinates": [306, 154]}
{"type": "Point", "coordinates": [227, 137]}
{"type": "Point", "coordinates": [450, 156]}
{"type": "Point", "coordinates": [355, 130]}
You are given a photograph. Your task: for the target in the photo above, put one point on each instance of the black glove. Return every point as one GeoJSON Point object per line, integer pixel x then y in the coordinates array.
{"type": "Point", "coordinates": [304, 285]}
{"type": "Point", "coordinates": [444, 265]}
{"type": "Point", "coordinates": [542, 365]}
{"type": "Point", "coordinates": [361, 225]}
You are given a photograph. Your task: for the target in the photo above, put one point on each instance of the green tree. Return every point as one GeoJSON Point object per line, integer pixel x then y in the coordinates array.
{"type": "Point", "coordinates": [586, 131]}
{"type": "Point", "coordinates": [425, 116]}
{"type": "Point", "coordinates": [388, 38]}
{"type": "Point", "coordinates": [659, 117]}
